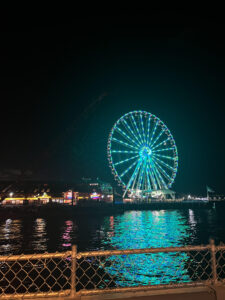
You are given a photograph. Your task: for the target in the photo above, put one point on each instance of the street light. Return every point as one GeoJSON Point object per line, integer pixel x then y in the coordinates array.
{"type": "Point", "coordinates": [11, 194]}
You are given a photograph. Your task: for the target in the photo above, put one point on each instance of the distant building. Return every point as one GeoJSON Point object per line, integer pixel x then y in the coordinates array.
{"type": "Point", "coordinates": [27, 192]}
{"type": "Point", "coordinates": [89, 190]}
{"type": "Point", "coordinates": [101, 189]}
{"type": "Point", "coordinates": [216, 197]}
{"type": "Point", "coordinates": [27, 200]}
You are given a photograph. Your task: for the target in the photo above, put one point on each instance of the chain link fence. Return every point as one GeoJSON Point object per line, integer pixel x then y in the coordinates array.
{"type": "Point", "coordinates": [137, 268]}
{"type": "Point", "coordinates": [38, 274]}
{"type": "Point", "coordinates": [70, 273]}
{"type": "Point", "coordinates": [220, 264]}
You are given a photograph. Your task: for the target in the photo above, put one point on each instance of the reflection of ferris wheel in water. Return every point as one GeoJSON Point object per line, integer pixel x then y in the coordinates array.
{"type": "Point", "coordinates": [142, 154]}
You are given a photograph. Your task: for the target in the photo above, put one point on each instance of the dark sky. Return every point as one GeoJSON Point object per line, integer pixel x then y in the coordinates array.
{"type": "Point", "coordinates": [63, 87]}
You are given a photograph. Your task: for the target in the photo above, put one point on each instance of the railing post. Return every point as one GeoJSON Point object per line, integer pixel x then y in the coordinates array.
{"type": "Point", "coordinates": [73, 271]}
{"type": "Point", "coordinates": [213, 260]}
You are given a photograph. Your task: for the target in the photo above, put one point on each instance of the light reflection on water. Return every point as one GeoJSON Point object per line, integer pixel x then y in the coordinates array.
{"type": "Point", "coordinates": [66, 236]}
{"type": "Point", "coordinates": [39, 236]}
{"type": "Point", "coordinates": [10, 236]}
{"type": "Point", "coordinates": [147, 229]}
{"type": "Point", "coordinates": [132, 229]}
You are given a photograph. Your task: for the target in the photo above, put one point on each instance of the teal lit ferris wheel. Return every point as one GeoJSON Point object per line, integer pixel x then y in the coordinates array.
{"type": "Point", "coordinates": [142, 154]}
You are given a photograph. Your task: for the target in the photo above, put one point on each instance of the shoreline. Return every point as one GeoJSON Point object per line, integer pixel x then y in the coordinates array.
{"type": "Point", "coordinates": [99, 208]}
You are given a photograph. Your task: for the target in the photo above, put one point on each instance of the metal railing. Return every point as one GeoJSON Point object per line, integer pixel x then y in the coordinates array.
{"type": "Point", "coordinates": [85, 273]}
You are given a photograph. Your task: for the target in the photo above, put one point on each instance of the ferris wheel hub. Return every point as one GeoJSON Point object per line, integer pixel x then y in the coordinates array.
{"type": "Point", "coordinates": [145, 152]}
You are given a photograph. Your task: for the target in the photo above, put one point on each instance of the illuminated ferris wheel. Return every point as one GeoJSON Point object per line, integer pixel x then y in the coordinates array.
{"type": "Point", "coordinates": [142, 154]}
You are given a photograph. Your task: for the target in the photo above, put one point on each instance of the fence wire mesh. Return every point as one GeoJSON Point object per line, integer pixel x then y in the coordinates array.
{"type": "Point", "coordinates": [143, 269]}
{"type": "Point", "coordinates": [28, 274]}
{"type": "Point", "coordinates": [71, 272]}
{"type": "Point", "coordinates": [220, 263]}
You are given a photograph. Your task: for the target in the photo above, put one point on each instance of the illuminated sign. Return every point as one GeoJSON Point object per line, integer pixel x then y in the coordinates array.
{"type": "Point", "coordinates": [95, 196]}
{"type": "Point", "coordinates": [68, 195]}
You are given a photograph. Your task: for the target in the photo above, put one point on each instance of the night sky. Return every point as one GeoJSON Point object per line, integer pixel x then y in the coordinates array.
{"type": "Point", "coordinates": [63, 87]}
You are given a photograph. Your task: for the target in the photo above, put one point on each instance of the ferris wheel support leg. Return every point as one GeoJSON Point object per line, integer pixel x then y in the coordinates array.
{"type": "Point", "coordinates": [124, 193]}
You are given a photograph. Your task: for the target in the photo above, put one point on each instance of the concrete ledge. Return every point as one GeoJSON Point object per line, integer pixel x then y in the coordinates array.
{"type": "Point", "coordinates": [187, 293]}
{"type": "Point", "coordinates": [220, 292]}
{"type": "Point", "coordinates": [192, 293]}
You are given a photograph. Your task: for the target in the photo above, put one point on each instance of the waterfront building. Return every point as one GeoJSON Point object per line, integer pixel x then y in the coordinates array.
{"type": "Point", "coordinates": [88, 190]}
{"type": "Point", "coordinates": [25, 193]}
{"type": "Point", "coordinates": [38, 200]}
{"type": "Point", "coordinates": [98, 190]}
{"type": "Point", "coordinates": [39, 193]}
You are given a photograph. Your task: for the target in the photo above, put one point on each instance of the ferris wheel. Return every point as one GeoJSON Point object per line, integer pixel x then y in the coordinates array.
{"type": "Point", "coordinates": [142, 154]}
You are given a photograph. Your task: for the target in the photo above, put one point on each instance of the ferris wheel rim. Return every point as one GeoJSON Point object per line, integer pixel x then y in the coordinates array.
{"type": "Point", "coordinates": [140, 136]}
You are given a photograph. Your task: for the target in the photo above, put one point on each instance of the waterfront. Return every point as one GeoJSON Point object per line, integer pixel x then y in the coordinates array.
{"type": "Point", "coordinates": [130, 229]}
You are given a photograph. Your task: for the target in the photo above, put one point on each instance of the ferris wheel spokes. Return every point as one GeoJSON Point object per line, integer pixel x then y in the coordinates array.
{"type": "Point", "coordinates": [128, 138]}
{"type": "Point", "coordinates": [161, 150]}
{"type": "Point", "coordinates": [133, 177]}
{"type": "Point", "coordinates": [153, 133]}
{"type": "Point", "coordinates": [125, 160]}
{"type": "Point", "coordinates": [145, 182]}
{"type": "Point", "coordinates": [161, 178]}
{"type": "Point", "coordinates": [142, 128]}
{"type": "Point", "coordinates": [151, 174]}
{"type": "Point", "coordinates": [147, 177]}
{"type": "Point", "coordinates": [128, 128]}
{"type": "Point", "coordinates": [163, 184]}
{"type": "Point", "coordinates": [128, 169]}
{"type": "Point", "coordinates": [148, 121]}
{"type": "Point", "coordinates": [136, 128]}
{"type": "Point", "coordinates": [124, 144]}
{"type": "Point", "coordinates": [124, 151]}
{"type": "Point", "coordinates": [163, 142]}
{"type": "Point", "coordinates": [154, 173]}
{"type": "Point", "coordinates": [156, 139]}
{"type": "Point", "coordinates": [140, 176]}
{"type": "Point", "coordinates": [162, 170]}
{"type": "Point", "coordinates": [163, 163]}
{"type": "Point", "coordinates": [164, 156]}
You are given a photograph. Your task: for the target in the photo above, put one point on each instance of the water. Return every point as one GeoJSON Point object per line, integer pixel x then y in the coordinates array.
{"type": "Point", "coordinates": [132, 229]}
